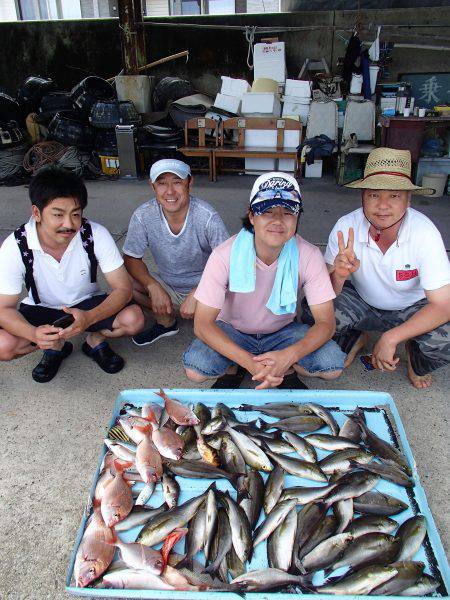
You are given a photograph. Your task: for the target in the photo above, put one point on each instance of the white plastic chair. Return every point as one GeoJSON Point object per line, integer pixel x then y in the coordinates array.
{"type": "Point", "coordinates": [323, 120]}
{"type": "Point", "coordinates": [359, 120]}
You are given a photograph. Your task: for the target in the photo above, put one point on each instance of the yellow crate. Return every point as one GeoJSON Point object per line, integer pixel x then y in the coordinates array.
{"type": "Point", "coordinates": [110, 164]}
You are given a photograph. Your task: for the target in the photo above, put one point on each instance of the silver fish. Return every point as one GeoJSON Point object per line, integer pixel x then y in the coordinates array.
{"type": "Point", "coordinates": [325, 415]}
{"type": "Point", "coordinates": [251, 503]}
{"type": "Point", "coordinates": [388, 472]}
{"type": "Point", "coordinates": [360, 583]}
{"type": "Point", "coordinates": [231, 457]}
{"type": "Point", "coordinates": [275, 517]}
{"type": "Point", "coordinates": [157, 529]}
{"type": "Point", "coordinates": [407, 574]}
{"type": "Point", "coordinates": [223, 541]}
{"type": "Point", "coordinates": [297, 424]}
{"type": "Point", "coordinates": [211, 516]}
{"type": "Point", "coordinates": [350, 429]}
{"type": "Point", "coordinates": [325, 529]}
{"type": "Point", "coordinates": [369, 549]}
{"type": "Point", "coordinates": [281, 543]}
{"type": "Point", "coordinates": [145, 494]}
{"type": "Point", "coordinates": [277, 445]}
{"type": "Point", "coordinates": [216, 424]}
{"type": "Point", "coordinates": [343, 509]}
{"type": "Point", "coordinates": [252, 454]}
{"type": "Point", "coordinates": [424, 585]}
{"type": "Point", "coordinates": [307, 521]}
{"type": "Point", "coordinates": [120, 450]}
{"type": "Point", "coordinates": [171, 490]}
{"type": "Point", "coordinates": [273, 489]}
{"type": "Point", "coordinates": [301, 446]}
{"type": "Point", "coordinates": [222, 410]}
{"type": "Point", "coordinates": [339, 461]}
{"type": "Point", "coordinates": [199, 470]}
{"type": "Point", "coordinates": [411, 534]}
{"type": "Point", "coordinates": [304, 495]}
{"type": "Point", "coordinates": [265, 579]}
{"type": "Point", "coordinates": [382, 448]}
{"type": "Point", "coordinates": [326, 553]}
{"type": "Point", "coordinates": [195, 538]}
{"type": "Point", "coordinates": [325, 441]}
{"type": "Point", "coordinates": [240, 527]}
{"type": "Point", "coordinates": [376, 503]}
{"type": "Point", "coordinates": [277, 409]}
{"type": "Point", "coordinates": [352, 485]}
{"type": "Point", "coordinates": [371, 524]}
{"type": "Point", "coordinates": [235, 566]}
{"type": "Point", "coordinates": [297, 466]}
{"type": "Point", "coordinates": [139, 515]}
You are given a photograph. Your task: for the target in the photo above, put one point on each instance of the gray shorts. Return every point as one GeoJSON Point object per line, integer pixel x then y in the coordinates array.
{"type": "Point", "coordinates": [176, 296]}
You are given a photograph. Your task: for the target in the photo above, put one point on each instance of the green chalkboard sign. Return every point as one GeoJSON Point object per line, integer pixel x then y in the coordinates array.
{"type": "Point", "coordinates": [429, 89]}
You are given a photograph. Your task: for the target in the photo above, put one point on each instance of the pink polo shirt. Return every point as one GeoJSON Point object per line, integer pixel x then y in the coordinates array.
{"type": "Point", "coordinates": [248, 312]}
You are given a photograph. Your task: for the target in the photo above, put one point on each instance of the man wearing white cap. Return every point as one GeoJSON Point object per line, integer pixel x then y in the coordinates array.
{"type": "Point", "coordinates": [180, 231]}
{"type": "Point", "coordinates": [247, 300]}
{"type": "Point", "coordinates": [390, 271]}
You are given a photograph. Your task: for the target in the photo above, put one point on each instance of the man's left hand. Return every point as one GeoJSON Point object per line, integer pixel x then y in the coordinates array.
{"type": "Point", "coordinates": [187, 308]}
{"type": "Point", "coordinates": [383, 354]}
{"type": "Point", "coordinates": [80, 324]}
{"type": "Point", "coordinates": [274, 366]}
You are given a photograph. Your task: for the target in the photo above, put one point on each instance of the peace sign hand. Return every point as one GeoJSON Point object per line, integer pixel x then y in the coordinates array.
{"type": "Point", "coordinates": [345, 262]}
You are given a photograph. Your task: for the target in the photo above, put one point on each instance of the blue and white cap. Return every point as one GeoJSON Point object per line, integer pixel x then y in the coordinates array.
{"type": "Point", "coordinates": [169, 165]}
{"type": "Point", "coordinates": [275, 189]}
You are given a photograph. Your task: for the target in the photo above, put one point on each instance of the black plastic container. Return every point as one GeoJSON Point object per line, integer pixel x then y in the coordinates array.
{"type": "Point", "coordinates": [53, 103]}
{"type": "Point", "coordinates": [86, 93]}
{"type": "Point", "coordinates": [67, 128]}
{"type": "Point", "coordinates": [31, 92]}
{"type": "Point", "coordinates": [106, 114]}
{"type": "Point", "coordinates": [169, 89]}
{"type": "Point", "coordinates": [9, 108]}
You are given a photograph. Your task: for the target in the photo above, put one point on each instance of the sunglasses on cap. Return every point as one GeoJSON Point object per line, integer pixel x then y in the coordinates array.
{"type": "Point", "coordinates": [276, 195]}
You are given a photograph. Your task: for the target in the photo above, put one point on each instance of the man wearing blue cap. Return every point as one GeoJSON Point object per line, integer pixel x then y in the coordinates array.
{"type": "Point", "coordinates": [247, 300]}
{"type": "Point", "coordinates": [180, 231]}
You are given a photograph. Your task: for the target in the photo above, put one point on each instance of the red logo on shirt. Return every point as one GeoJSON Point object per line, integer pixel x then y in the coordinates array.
{"type": "Point", "coordinates": [406, 275]}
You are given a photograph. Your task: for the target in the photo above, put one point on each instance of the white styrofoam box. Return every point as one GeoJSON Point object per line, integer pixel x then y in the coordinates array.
{"type": "Point", "coordinates": [286, 165]}
{"type": "Point", "coordinates": [269, 61]}
{"type": "Point", "coordinates": [297, 87]}
{"type": "Point", "coordinates": [296, 106]}
{"type": "Point", "coordinates": [267, 138]}
{"type": "Point", "coordinates": [234, 87]}
{"type": "Point", "coordinates": [231, 104]}
{"type": "Point", "coordinates": [261, 104]}
{"type": "Point", "coordinates": [255, 166]}
{"type": "Point", "coordinates": [314, 170]}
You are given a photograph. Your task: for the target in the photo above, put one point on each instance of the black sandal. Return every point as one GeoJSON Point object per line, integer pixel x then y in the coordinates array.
{"type": "Point", "coordinates": [230, 381]}
{"type": "Point", "coordinates": [292, 382]}
{"type": "Point", "coordinates": [104, 356]}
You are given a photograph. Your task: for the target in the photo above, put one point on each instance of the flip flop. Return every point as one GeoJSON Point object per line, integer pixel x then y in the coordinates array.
{"type": "Point", "coordinates": [229, 381]}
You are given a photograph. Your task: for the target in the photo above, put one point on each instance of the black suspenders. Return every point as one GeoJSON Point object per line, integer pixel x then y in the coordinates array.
{"type": "Point", "coordinates": [28, 259]}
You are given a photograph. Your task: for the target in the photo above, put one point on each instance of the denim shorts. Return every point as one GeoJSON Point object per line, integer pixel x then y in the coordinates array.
{"type": "Point", "coordinates": [204, 360]}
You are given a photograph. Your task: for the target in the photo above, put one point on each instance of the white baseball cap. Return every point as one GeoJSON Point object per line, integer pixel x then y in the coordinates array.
{"type": "Point", "coordinates": [169, 165]}
{"type": "Point", "coordinates": [275, 189]}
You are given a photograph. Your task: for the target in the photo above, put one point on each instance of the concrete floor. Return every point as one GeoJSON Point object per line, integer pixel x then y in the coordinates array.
{"type": "Point", "coordinates": [52, 433]}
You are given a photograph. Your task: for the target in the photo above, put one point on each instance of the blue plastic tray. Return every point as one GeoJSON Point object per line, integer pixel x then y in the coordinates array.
{"type": "Point", "coordinates": [382, 418]}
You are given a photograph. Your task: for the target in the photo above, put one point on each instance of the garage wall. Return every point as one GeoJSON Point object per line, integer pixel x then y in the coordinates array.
{"type": "Point", "coordinates": [69, 50]}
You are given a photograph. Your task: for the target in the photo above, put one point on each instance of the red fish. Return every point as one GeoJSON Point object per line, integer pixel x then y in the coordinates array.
{"type": "Point", "coordinates": [168, 443]}
{"type": "Point", "coordinates": [148, 459]}
{"type": "Point", "coordinates": [140, 557]}
{"type": "Point", "coordinates": [117, 499]}
{"type": "Point", "coordinates": [170, 542]}
{"type": "Point", "coordinates": [178, 412]}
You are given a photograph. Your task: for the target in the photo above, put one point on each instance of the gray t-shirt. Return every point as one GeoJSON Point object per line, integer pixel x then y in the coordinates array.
{"type": "Point", "coordinates": [180, 258]}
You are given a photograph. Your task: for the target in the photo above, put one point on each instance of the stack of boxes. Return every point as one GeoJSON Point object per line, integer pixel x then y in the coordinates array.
{"type": "Point", "coordinates": [230, 96]}
{"type": "Point", "coordinates": [297, 98]}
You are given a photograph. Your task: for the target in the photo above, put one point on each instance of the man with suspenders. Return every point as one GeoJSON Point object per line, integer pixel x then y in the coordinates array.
{"type": "Point", "coordinates": [57, 255]}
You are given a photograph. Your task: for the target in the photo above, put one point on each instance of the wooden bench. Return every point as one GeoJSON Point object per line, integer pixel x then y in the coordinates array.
{"type": "Point", "coordinates": [205, 145]}
{"type": "Point", "coordinates": [238, 126]}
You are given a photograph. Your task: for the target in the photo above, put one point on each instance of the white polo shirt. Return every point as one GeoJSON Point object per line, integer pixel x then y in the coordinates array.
{"type": "Point", "coordinates": [63, 283]}
{"type": "Point", "coordinates": [397, 279]}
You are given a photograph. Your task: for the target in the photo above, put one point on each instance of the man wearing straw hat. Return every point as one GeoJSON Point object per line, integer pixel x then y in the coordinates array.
{"type": "Point", "coordinates": [390, 272]}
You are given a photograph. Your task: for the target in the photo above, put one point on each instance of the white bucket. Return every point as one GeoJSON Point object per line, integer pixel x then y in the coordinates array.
{"type": "Point", "coordinates": [373, 72]}
{"type": "Point", "coordinates": [436, 181]}
{"type": "Point", "coordinates": [356, 84]}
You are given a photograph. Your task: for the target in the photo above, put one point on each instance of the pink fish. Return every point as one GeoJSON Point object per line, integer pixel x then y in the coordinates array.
{"type": "Point", "coordinates": [135, 580]}
{"type": "Point", "coordinates": [156, 409]}
{"type": "Point", "coordinates": [148, 460]}
{"type": "Point", "coordinates": [95, 552]}
{"type": "Point", "coordinates": [178, 412]}
{"type": "Point", "coordinates": [168, 443]}
{"type": "Point", "coordinates": [129, 426]}
{"type": "Point", "coordinates": [106, 476]}
{"type": "Point", "coordinates": [117, 499]}
{"type": "Point", "coordinates": [180, 582]}
{"type": "Point", "coordinates": [137, 556]}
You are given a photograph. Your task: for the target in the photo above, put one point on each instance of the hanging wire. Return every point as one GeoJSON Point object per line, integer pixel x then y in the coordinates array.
{"type": "Point", "coordinates": [250, 37]}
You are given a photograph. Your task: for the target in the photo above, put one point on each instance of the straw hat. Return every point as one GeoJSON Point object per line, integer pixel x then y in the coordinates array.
{"type": "Point", "coordinates": [388, 169]}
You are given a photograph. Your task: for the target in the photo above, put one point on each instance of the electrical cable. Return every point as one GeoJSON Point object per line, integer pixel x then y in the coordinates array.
{"type": "Point", "coordinates": [250, 37]}
{"type": "Point", "coordinates": [54, 153]}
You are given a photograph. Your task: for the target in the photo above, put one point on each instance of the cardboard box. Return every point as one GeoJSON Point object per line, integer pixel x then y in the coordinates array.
{"type": "Point", "coordinates": [234, 87]}
{"type": "Point", "coordinates": [261, 104]}
{"type": "Point", "coordinates": [297, 87]}
{"type": "Point", "coordinates": [269, 61]}
{"type": "Point", "coordinates": [314, 170]}
{"type": "Point", "coordinates": [231, 104]}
